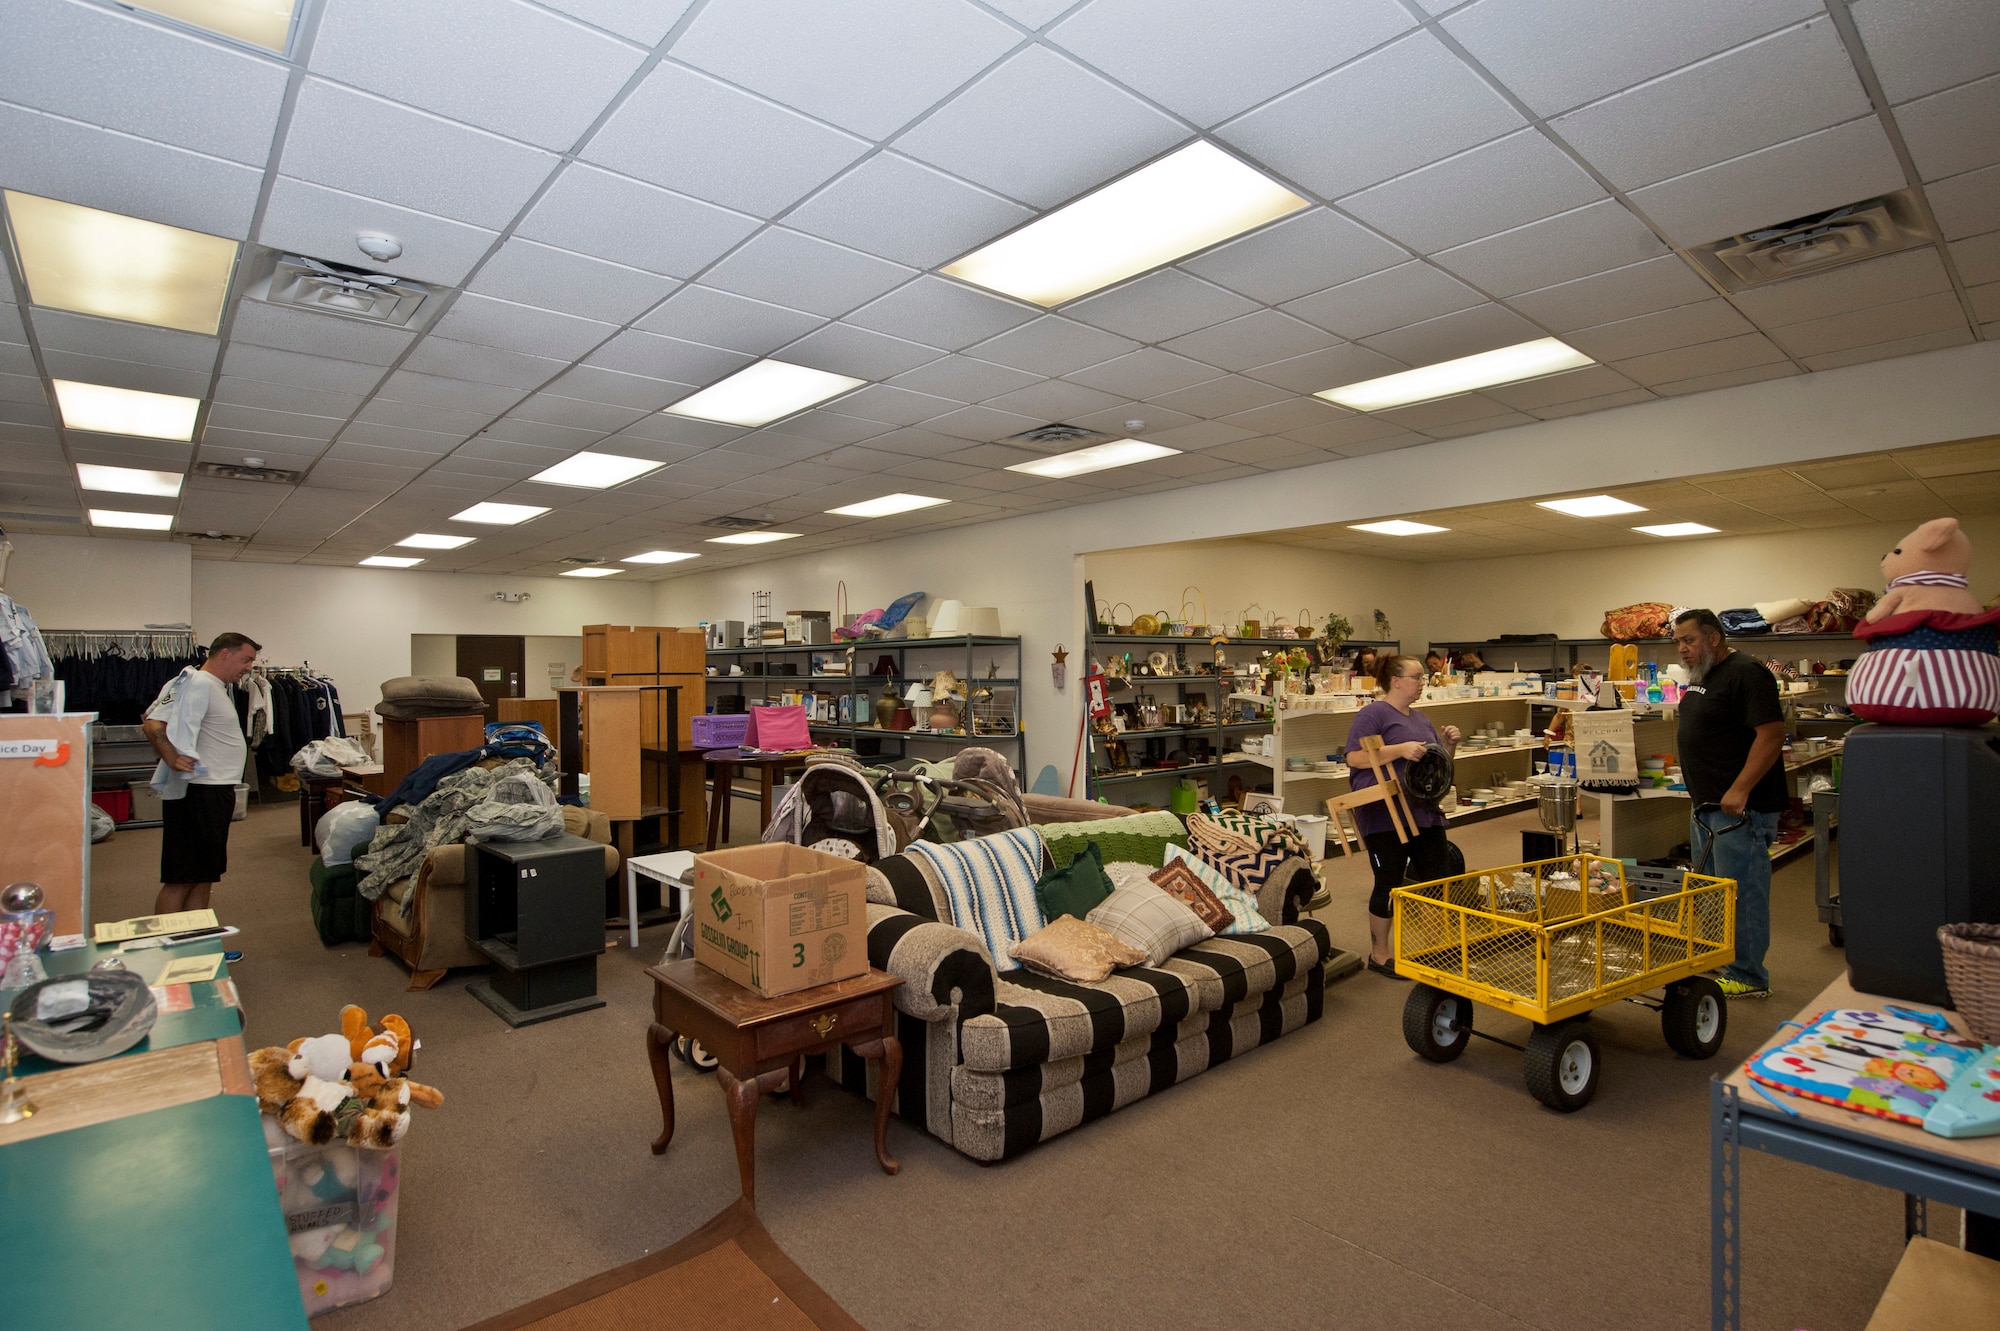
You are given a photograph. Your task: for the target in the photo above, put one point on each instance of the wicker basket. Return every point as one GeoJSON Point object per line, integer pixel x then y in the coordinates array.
{"type": "Point", "coordinates": [1972, 969]}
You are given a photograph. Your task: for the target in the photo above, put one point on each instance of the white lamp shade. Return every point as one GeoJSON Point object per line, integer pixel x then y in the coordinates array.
{"type": "Point", "coordinates": [980, 621]}
{"type": "Point", "coordinates": [945, 619]}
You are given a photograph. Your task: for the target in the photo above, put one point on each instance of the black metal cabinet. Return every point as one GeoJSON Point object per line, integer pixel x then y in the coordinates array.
{"type": "Point", "coordinates": [536, 909]}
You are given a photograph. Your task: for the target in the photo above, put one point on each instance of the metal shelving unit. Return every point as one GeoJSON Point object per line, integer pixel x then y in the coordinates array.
{"type": "Point", "coordinates": [1566, 653]}
{"type": "Point", "coordinates": [111, 744]}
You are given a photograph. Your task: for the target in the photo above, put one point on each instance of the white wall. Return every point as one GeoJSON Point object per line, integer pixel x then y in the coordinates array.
{"type": "Point", "coordinates": [96, 582]}
{"type": "Point", "coordinates": [564, 654]}
{"type": "Point", "coordinates": [434, 653]}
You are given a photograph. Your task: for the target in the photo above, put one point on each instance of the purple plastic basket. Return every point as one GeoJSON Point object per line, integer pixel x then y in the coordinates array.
{"type": "Point", "coordinates": [712, 731]}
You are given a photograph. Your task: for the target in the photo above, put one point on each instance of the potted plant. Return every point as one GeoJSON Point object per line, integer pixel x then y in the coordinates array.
{"type": "Point", "coordinates": [1335, 631]}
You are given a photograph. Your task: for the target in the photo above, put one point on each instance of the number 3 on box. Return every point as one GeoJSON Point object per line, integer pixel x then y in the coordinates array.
{"type": "Point", "coordinates": [798, 955]}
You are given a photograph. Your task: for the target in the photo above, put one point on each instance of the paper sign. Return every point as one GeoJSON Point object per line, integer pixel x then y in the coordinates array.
{"type": "Point", "coordinates": [27, 748]}
{"type": "Point", "coordinates": [148, 926]}
{"type": "Point", "coordinates": [490, 674]}
{"type": "Point", "coordinates": [191, 970]}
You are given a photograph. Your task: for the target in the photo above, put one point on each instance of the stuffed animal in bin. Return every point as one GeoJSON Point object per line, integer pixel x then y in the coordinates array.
{"type": "Point", "coordinates": [317, 1089]}
{"type": "Point", "coordinates": [1933, 656]}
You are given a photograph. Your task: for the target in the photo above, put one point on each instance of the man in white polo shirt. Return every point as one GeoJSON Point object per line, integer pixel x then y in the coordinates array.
{"type": "Point", "coordinates": [192, 725]}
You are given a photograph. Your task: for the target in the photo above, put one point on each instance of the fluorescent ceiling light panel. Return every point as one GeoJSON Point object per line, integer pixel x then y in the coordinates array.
{"type": "Point", "coordinates": [390, 561]}
{"type": "Point", "coordinates": [590, 572]}
{"type": "Point", "coordinates": [499, 515]}
{"type": "Point", "coordinates": [1186, 201]}
{"type": "Point", "coordinates": [753, 537]}
{"type": "Point", "coordinates": [128, 480]}
{"type": "Point", "coordinates": [111, 517]}
{"type": "Point", "coordinates": [265, 23]}
{"type": "Point", "coordinates": [1524, 360]}
{"type": "Point", "coordinates": [595, 471]}
{"type": "Point", "coordinates": [1677, 529]}
{"type": "Point", "coordinates": [1397, 527]}
{"type": "Point", "coordinates": [887, 504]}
{"type": "Point", "coordinates": [1590, 506]}
{"type": "Point", "coordinates": [102, 409]}
{"type": "Point", "coordinates": [658, 557]}
{"type": "Point", "coordinates": [424, 540]}
{"type": "Point", "coordinates": [120, 267]}
{"type": "Point", "coordinates": [1098, 457]}
{"type": "Point", "coordinates": [761, 393]}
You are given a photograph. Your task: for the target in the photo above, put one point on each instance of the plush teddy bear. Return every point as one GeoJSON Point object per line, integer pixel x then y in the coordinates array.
{"type": "Point", "coordinates": [388, 1049]}
{"type": "Point", "coordinates": [302, 1085]}
{"type": "Point", "coordinates": [1932, 657]}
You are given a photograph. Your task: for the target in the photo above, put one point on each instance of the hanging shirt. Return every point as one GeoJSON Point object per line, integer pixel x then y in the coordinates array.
{"type": "Point", "coordinates": [200, 717]}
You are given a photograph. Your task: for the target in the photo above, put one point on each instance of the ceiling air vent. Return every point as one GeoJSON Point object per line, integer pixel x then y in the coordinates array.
{"type": "Point", "coordinates": [230, 471]}
{"type": "Point", "coordinates": [209, 538]}
{"type": "Point", "coordinates": [738, 524]}
{"type": "Point", "coordinates": [60, 519]}
{"type": "Point", "coordinates": [335, 288]}
{"type": "Point", "coordinates": [1056, 438]}
{"type": "Point", "coordinates": [578, 559]}
{"type": "Point", "coordinates": [1814, 244]}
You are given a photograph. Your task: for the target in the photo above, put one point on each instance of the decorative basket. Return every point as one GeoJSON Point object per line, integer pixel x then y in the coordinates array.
{"type": "Point", "coordinates": [1111, 617]}
{"type": "Point", "coordinates": [1190, 624]}
{"type": "Point", "coordinates": [1251, 622]}
{"type": "Point", "coordinates": [1972, 970]}
{"type": "Point", "coordinates": [1305, 624]}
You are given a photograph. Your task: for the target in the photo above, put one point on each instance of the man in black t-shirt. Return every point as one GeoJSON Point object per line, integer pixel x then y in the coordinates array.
{"type": "Point", "coordinates": [1731, 735]}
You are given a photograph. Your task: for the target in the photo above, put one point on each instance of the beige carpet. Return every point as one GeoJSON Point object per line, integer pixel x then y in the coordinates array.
{"type": "Point", "coordinates": [1330, 1180]}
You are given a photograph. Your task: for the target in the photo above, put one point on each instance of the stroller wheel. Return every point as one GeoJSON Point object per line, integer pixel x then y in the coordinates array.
{"type": "Point", "coordinates": [694, 1054]}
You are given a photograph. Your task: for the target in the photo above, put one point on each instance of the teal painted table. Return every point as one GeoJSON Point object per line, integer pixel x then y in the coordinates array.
{"type": "Point", "coordinates": [212, 1013]}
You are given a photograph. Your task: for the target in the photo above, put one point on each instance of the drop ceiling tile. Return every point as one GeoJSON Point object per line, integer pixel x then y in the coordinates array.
{"type": "Point", "coordinates": [1919, 49]}
{"type": "Point", "coordinates": [1555, 54]}
{"type": "Point", "coordinates": [1269, 454]}
{"type": "Point", "coordinates": [24, 413]}
{"type": "Point", "coordinates": [1821, 171]}
{"type": "Point", "coordinates": [1477, 425]}
{"type": "Point", "coordinates": [805, 272]}
{"type": "Point", "coordinates": [60, 159]}
{"type": "Point", "coordinates": [1882, 323]}
{"type": "Point", "coordinates": [868, 66]}
{"type": "Point", "coordinates": [610, 217]}
{"type": "Point", "coordinates": [1159, 306]}
{"type": "Point", "coordinates": [1684, 325]}
{"type": "Point", "coordinates": [489, 322]}
{"type": "Point", "coordinates": [940, 313]}
{"type": "Point", "coordinates": [1855, 286]}
{"type": "Point", "coordinates": [1201, 434]}
{"type": "Point", "coordinates": [450, 170]}
{"type": "Point", "coordinates": [721, 319]}
{"type": "Point", "coordinates": [1587, 240]}
{"type": "Point", "coordinates": [1220, 397]}
{"type": "Point", "coordinates": [1049, 346]}
{"type": "Point", "coordinates": [122, 374]}
{"type": "Point", "coordinates": [680, 430]}
{"type": "Point", "coordinates": [106, 68]}
{"type": "Point", "coordinates": [1253, 339]}
{"type": "Point", "coordinates": [15, 358]}
{"type": "Point", "coordinates": [532, 456]}
{"type": "Point", "coordinates": [1499, 185]}
{"type": "Point", "coordinates": [566, 438]}
{"type": "Point", "coordinates": [702, 137]}
{"type": "Point", "coordinates": [317, 334]}
{"type": "Point", "coordinates": [487, 365]}
{"type": "Point", "coordinates": [1407, 293]}
{"type": "Point", "coordinates": [503, 66]}
{"type": "Point", "coordinates": [323, 223]}
{"type": "Point", "coordinates": [1208, 62]}
{"type": "Point", "coordinates": [895, 406]}
{"type": "Point", "coordinates": [553, 409]}
{"type": "Point", "coordinates": [1965, 205]}
{"type": "Point", "coordinates": [1953, 132]}
{"type": "Point", "coordinates": [644, 21]}
{"type": "Point", "coordinates": [858, 352]}
{"type": "Point", "coordinates": [903, 210]}
{"type": "Point", "coordinates": [220, 445]}
{"type": "Point", "coordinates": [388, 446]}
{"type": "Point", "coordinates": [1558, 410]}
{"type": "Point", "coordinates": [115, 340]}
{"type": "Point", "coordinates": [1147, 372]}
{"type": "Point", "coordinates": [1332, 368]}
{"type": "Point", "coordinates": [656, 357]}
{"type": "Point", "coordinates": [1298, 413]}
{"type": "Point", "coordinates": [591, 383]}
{"type": "Point", "coordinates": [1985, 301]}
{"type": "Point", "coordinates": [1014, 130]}
{"type": "Point", "coordinates": [1709, 359]}
{"type": "Point", "coordinates": [1468, 407]}
{"type": "Point", "coordinates": [358, 476]}
{"type": "Point", "coordinates": [1304, 253]}
{"type": "Point", "coordinates": [936, 469]}
{"type": "Point", "coordinates": [290, 367]}
{"type": "Point", "coordinates": [1150, 415]}
{"type": "Point", "coordinates": [1591, 381]}
{"type": "Point", "coordinates": [22, 388]}
{"type": "Point", "coordinates": [1705, 383]}
{"type": "Point", "coordinates": [1395, 109]}
{"type": "Point", "coordinates": [1621, 293]}
{"type": "Point", "coordinates": [835, 427]}
{"type": "Point", "coordinates": [229, 416]}
{"type": "Point", "coordinates": [983, 424]}
{"type": "Point", "coordinates": [553, 279]}
{"type": "Point", "coordinates": [416, 416]}
{"type": "Point", "coordinates": [1052, 401]}
{"type": "Point", "coordinates": [1447, 337]}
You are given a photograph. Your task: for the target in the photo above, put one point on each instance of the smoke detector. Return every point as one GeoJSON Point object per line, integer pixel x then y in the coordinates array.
{"type": "Point", "coordinates": [1056, 438]}
{"type": "Point", "coordinates": [378, 247]}
{"type": "Point", "coordinates": [1814, 244]}
{"type": "Point", "coordinates": [739, 523]}
{"type": "Point", "coordinates": [336, 288]}
{"type": "Point", "coordinates": [229, 471]}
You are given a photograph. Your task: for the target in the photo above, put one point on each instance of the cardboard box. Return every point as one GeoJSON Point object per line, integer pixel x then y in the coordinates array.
{"type": "Point", "coordinates": [778, 918]}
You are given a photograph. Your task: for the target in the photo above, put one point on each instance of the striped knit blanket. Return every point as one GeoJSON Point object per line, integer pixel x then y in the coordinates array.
{"type": "Point", "coordinates": [990, 883]}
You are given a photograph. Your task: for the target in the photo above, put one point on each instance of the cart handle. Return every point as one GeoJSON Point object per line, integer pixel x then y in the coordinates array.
{"type": "Point", "coordinates": [1708, 845]}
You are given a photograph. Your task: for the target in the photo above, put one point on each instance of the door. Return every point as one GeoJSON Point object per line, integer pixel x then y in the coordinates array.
{"type": "Point", "coordinates": [496, 664]}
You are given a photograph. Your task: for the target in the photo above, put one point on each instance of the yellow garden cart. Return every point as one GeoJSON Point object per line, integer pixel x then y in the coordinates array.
{"type": "Point", "coordinates": [1554, 940]}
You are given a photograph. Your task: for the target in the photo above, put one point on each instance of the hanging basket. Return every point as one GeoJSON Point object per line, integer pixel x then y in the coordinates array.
{"type": "Point", "coordinates": [1972, 970]}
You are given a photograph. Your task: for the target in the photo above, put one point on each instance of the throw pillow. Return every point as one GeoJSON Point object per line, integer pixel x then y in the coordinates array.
{"type": "Point", "coordinates": [1124, 873]}
{"type": "Point", "coordinates": [1239, 903]}
{"type": "Point", "coordinates": [1076, 889]}
{"type": "Point", "coordinates": [1073, 949]}
{"type": "Point", "coordinates": [1150, 920]}
{"type": "Point", "coordinates": [1183, 884]}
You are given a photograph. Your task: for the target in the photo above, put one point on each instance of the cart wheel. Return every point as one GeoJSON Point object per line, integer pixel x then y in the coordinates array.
{"type": "Point", "coordinates": [695, 1055]}
{"type": "Point", "coordinates": [1436, 1024]}
{"type": "Point", "coordinates": [1561, 1065]}
{"type": "Point", "coordinates": [1836, 935]}
{"type": "Point", "coordinates": [1694, 1017]}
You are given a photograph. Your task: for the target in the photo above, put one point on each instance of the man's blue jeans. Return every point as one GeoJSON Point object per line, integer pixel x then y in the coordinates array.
{"type": "Point", "coordinates": [1745, 855]}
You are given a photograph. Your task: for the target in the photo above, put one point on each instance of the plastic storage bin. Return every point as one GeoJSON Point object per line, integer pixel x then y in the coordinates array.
{"type": "Point", "coordinates": [713, 731]}
{"type": "Point", "coordinates": [340, 1211]}
{"type": "Point", "coordinates": [117, 803]}
{"type": "Point", "coordinates": [145, 802]}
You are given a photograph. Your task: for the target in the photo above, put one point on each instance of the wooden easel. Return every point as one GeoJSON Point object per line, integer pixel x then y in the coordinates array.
{"type": "Point", "coordinates": [1386, 790]}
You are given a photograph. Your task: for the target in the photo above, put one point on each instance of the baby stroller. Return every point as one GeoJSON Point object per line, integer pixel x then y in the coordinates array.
{"type": "Point", "coordinates": [833, 807]}
{"type": "Point", "coordinates": [980, 797]}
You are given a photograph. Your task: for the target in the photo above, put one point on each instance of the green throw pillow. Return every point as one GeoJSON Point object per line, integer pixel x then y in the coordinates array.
{"type": "Point", "coordinates": [1077, 889]}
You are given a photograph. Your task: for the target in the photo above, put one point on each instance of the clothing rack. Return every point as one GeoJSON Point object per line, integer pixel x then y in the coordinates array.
{"type": "Point", "coordinates": [132, 644]}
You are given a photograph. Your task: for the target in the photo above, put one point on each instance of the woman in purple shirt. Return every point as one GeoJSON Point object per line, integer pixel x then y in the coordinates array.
{"type": "Point", "coordinates": [1405, 735]}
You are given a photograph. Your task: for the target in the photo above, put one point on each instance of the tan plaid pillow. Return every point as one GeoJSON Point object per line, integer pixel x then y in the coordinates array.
{"type": "Point", "coordinates": [1071, 949]}
{"type": "Point", "coordinates": [1182, 883]}
{"type": "Point", "coordinates": [1151, 920]}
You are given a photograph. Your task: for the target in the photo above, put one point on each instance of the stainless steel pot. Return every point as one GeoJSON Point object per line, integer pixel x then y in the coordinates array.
{"type": "Point", "coordinates": [1556, 804]}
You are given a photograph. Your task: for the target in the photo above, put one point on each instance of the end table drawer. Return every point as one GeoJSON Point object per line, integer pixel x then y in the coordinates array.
{"type": "Point", "coordinates": [860, 1019]}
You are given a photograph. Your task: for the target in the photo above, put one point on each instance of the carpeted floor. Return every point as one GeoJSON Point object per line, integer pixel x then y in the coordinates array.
{"type": "Point", "coordinates": [1332, 1179]}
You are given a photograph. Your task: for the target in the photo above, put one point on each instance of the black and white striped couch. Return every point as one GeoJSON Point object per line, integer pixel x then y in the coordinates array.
{"type": "Point", "coordinates": [996, 1063]}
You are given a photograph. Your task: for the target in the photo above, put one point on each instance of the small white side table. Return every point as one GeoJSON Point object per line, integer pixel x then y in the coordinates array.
{"type": "Point", "coordinates": [669, 868]}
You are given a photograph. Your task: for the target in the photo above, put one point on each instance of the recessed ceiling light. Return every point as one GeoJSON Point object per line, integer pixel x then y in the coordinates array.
{"type": "Point", "coordinates": [430, 541]}
{"type": "Point", "coordinates": [390, 561]}
{"type": "Point", "coordinates": [1396, 527]}
{"type": "Point", "coordinates": [1677, 529]}
{"type": "Point", "coordinates": [111, 517]}
{"type": "Point", "coordinates": [1590, 506]}
{"type": "Point", "coordinates": [1525, 360]}
{"type": "Point", "coordinates": [102, 409]}
{"type": "Point", "coordinates": [94, 262]}
{"type": "Point", "coordinates": [264, 23]}
{"type": "Point", "coordinates": [658, 557]}
{"type": "Point", "coordinates": [753, 537]}
{"type": "Point", "coordinates": [1186, 201]}
{"type": "Point", "coordinates": [589, 572]}
{"type": "Point", "coordinates": [595, 471]}
{"type": "Point", "coordinates": [887, 504]}
{"type": "Point", "coordinates": [761, 393]}
{"type": "Point", "coordinates": [499, 515]}
{"type": "Point", "coordinates": [128, 480]}
{"type": "Point", "coordinates": [1098, 457]}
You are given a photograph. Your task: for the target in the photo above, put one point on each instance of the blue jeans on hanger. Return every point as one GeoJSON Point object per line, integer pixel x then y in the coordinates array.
{"type": "Point", "coordinates": [1745, 855]}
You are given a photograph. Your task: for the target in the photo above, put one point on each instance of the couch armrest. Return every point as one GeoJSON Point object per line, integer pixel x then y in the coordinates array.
{"type": "Point", "coordinates": [1282, 899]}
{"type": "Point", "coordinates": [943, 968]}
{"type": "Point", "coordinates": [1061, 809]}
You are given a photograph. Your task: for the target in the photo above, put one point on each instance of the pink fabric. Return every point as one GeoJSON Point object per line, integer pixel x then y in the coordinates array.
{"type": "Point", "coordinates": [778, 729]}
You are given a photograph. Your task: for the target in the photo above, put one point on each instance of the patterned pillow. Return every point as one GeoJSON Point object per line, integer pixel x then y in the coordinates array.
{"type": "Point", "coordinates": [1227, 829]}
{"type": "Point", "coordinates": [1182, 883]}
{"type": "Point", "coordinates": [1152, 921]}
{"type": "Point", "coordinates": [1239, 903]}
{"type": "Point", "coordinates": [1073, 949]}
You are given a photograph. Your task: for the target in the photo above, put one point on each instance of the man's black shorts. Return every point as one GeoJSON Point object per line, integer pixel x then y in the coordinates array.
{"type": "Point", "coordinates": [194, 840]}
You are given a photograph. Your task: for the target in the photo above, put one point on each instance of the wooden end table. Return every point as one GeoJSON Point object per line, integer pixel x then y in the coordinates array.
{"type": "Point", "coordinates": [760, 1042]}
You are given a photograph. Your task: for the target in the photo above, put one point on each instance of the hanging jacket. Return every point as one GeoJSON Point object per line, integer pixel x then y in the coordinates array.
{"type": "Point", "coordinates": [257, 716]}
{"type": "Point", "coordinates": [22, 642]}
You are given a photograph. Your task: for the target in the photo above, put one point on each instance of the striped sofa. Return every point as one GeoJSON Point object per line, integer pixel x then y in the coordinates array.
{"type": "Point", "coordinates": [996, 1062]}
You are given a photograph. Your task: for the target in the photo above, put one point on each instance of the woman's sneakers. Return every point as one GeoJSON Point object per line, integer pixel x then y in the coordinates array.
{"type": "Point", "coordinates": [1387, 968]}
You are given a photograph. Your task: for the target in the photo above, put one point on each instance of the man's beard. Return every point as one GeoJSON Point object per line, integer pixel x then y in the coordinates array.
{"type": "Point", "coordinates": [1699, 670]}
